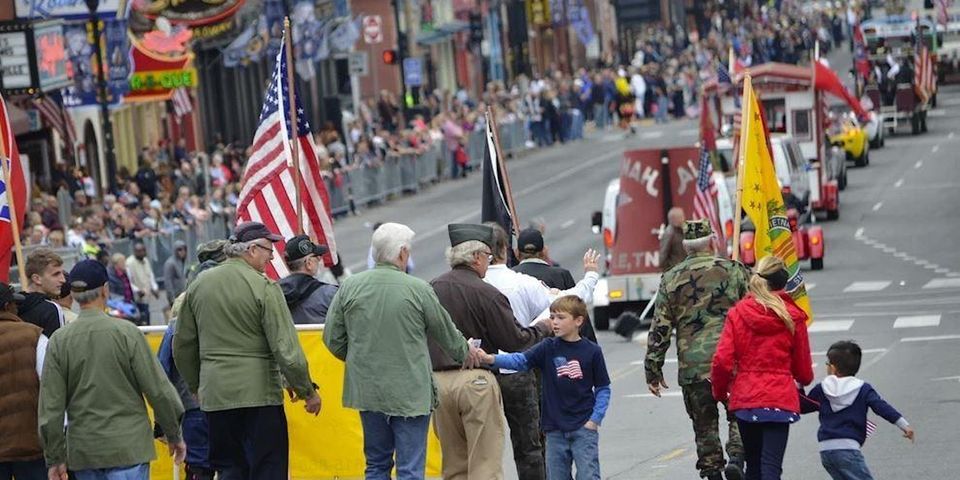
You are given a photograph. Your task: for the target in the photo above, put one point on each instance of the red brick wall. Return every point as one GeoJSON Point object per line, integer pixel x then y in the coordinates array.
{"type": "Point", "coordinates": [380, 76]}
{"type": "Point", "coordinates": [6, 10]}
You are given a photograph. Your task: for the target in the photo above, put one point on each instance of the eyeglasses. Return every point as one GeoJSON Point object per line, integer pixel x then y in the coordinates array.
{"type": "Point", "coordinates": [269, 249]}
{"type": "Point", "coordinates": [489, 255]}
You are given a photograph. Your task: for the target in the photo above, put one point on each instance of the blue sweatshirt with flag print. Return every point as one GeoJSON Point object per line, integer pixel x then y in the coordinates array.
{"type": "Point", "coordinates": [576, 387]}
{"type": "Point", "coordinates": [842, 403]}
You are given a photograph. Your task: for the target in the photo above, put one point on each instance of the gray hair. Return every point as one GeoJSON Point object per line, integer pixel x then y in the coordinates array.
{"type": "Point", "coordinates": [88, 296]}
{"type": "Point", "coordinates": [462, 253]}
{"type": "Point", "coordinates": [387, 241]}
{"type": "Point", "coordinates": [702, 244]}
{"type": "Point", "coordinates": [237, 249]}
{"type": "Point", "coordinates": [297, 265]}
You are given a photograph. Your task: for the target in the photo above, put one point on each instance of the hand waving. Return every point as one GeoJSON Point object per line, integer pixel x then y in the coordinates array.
{"type": "Point", "coordinates": [591, 261]}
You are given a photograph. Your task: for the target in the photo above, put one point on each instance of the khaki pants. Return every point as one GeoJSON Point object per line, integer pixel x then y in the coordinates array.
{"type": "Point", "coordinates": [469, 422]}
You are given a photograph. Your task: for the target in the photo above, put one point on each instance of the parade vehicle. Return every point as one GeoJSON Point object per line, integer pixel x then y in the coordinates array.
{"type": "Point", "coordinates": [846, 133]}
{"type": "Point", "coordinates": [793, 103]}
{"type": "Point", "coordinates": [903, 82]}
{"type": "Point", "coordinates": [633, 218]}
{"type": "Point", "coordinates": [796, 178]}
{"type": "Point", "coordinates": [948, 53]}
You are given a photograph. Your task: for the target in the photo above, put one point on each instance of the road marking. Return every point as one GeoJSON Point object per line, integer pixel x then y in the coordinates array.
{"type": "Point", "coordinates": [877, 206]}
{"type": "Point", "coordinates": [566, 225]}
{"type": "Point", "coordinates": [921, 263]}
{"type": "Point", "coordinates": [651, 135]}
{"type": "Point", "coordinates": [943, 283]}
{"type": "Point", "coordinates": [942, 271]}
{"type": "Point", "coordinates": [936, 113]}
{"type": "Point", "coordinates": [950, 135]}
{"type": "Point", "coordinates": [859, 233]}
{"type": "Point", "coordinates": [930, 339]}
{"type": "Point", "coordinates": [898, 184]}
{"type": "Point", "coordinates": [866, 286]}
{"type": "Point", "coordinates": [650, 395]}
{"type": "Point", "coordinates": [935, 149]}
{"type": "Point", "coordinates": [918, 164]}
{"type": "Point", "coordinates": [943, 379]}
{"type": "Point", "coordinates": [674, 454]}
{"type": "Point", "coordinates": [866, 350]}
{"type": "Point", "coordinates": [665, 361]}
{"type": "Point", "coordinates": [889, 249]}
{"type": "Point", "coordinates": [917, 321]}
{"type": "Point", "coordinates": [830, 326]}
{"type": "Point", "coordinates": [811, 286]}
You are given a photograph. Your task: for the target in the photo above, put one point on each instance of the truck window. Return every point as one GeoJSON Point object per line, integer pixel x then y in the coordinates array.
{"type": "Point", "coordinates": [776, 112]}
{"type": "Point", "coordinates": [780, 163]}
{"type": "Point", "coordinates": [802, 128]}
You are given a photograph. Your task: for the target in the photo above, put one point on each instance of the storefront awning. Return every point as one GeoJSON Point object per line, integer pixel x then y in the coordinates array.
{"type": "Point", "coordinates": [442, 32]}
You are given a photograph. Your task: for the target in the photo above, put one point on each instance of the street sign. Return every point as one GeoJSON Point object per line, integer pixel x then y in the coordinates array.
{"type": "Point", "coordinates": [372, 29]}
{"type": "Point", "coordinates": [359, 63]}
{"type": "Point", "coordinates": [413, 71]}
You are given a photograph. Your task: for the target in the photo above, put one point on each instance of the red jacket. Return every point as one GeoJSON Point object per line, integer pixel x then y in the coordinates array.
{"type": "Point", "coordinates": [758, 359]}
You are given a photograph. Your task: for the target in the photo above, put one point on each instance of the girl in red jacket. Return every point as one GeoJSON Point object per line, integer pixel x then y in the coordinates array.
{"type": "Point", "coordinates": [764, 351]}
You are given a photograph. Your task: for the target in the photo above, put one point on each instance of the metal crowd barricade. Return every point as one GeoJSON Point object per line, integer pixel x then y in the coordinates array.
{"type": "Point", "coordinates": [391, 167]}
{"type": "Point", "coordinates": [427, 166]}
{"type": "Point", "coordinates": [476, 143]}
{"type": "Point", "coordinates": [338, 194]}
{"type": "Point", "coordinates": [409, 180]}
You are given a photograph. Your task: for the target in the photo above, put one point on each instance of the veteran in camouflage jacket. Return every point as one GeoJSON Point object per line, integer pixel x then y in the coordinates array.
{"type": "Point", "coordinates": [693, 299]}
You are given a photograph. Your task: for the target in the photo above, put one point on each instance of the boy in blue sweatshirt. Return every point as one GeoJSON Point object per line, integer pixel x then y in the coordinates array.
{"type": "Point", "coordinates": [842, 400]}
{"type": "Point", "coordinates": [576, 391]}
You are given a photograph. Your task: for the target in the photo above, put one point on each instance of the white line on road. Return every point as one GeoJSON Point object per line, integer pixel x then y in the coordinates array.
{"type": "Point", "coordinates": [935, 149]}
{"type": "Point", "coordinates": [930, 339]}
{"type": "Point", "coordinates": [859, 233]}
{"type": "Point", "coordinates": [566, 225]}
{"type": "Point", "coordinates": [942, 271]}
{"type": "Point", "coordinates": [889, 249]}
{"type": "Point", "coordinates": [898, 184]}
{"type": "Point", "coordinates": [950, 136]}
{"type": "Point", "coordinates": [811, 286]}
{"type": "Point", "coordinates": [917, 321]}
{"type": "Point", "coordinates": [918, 164]}
{"type": "Point", "coordinates": [866, 350]}
{"type": "Point", "coordinates": [650, 395]}
{"type": "Point", "coordinates": [866, 286]}
{"type": "Point", "coordinates": [666, 360]}
{"type": "Point", "coordinates": [943, 379]}
{"type": "Point", "coordinates": [943, 283]}
{"type": "Point", "coordinates": [877, 206]}
{"type": "Point", "coordinates": [830, 326]}
{"type": "Point", "coordinates": [651, 135]}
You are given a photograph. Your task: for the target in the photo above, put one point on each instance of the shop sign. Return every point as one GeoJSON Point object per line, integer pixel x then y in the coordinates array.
{"type": "Point", "coordinates": [163, 80]}
{"type": "Point", "coordinates": [73, 9]}
{"type": "Point", "coordinates": [32, 57]}
{"type": "Point", "coordinates": [80, 50]}
{"type": "Point", "coordinates": [193, 13]}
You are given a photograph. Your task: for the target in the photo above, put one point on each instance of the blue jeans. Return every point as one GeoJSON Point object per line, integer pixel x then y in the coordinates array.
{"type": "Point", "coordinates": [845, 465]}
{"type": "Point", "coordinates": [580, 448]}
{"type": "Point", "coordinates": [601, 116]}
{"type": "Point", "coordinates": [539, 130]}
{"type": "Point", "coordinates": [385, 436]}
{"type": "Point", "coordinates": [133, 472]}
{"type": "Point", "coordinates": [30, 470]}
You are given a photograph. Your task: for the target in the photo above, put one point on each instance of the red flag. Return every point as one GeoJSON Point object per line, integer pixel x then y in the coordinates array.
{"type": "Point", "coordinates": [11, 158]}
{"type": "Point", "coordinates": [828, 81]}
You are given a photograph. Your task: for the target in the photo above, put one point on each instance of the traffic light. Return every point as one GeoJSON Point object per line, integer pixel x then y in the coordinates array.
{"type": "Point", "coordinates": [390, 57]}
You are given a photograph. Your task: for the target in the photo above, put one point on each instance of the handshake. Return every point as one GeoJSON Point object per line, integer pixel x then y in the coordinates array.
{"type": "Point", "coordinates": [476, 356]}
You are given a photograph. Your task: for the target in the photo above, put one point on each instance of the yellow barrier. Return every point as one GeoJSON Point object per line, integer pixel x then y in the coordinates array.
{"type": "Point", "coordinates": [324, 447]}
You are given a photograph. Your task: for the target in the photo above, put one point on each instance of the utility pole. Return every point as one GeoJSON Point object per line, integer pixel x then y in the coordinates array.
{"type": "Point", "coordinates": [107, 125]}
{"type": "Point", "coordinates": [401, 54]}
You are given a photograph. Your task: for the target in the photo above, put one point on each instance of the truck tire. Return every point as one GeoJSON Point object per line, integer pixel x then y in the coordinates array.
{"type": "Point", "coordinates": [862, 160]}
{"type": "Point", "coordinates": [601, 318]}
{"type": "Point", "coordinates": [842, 181]}
{"type": "Point", "coordinates": [833, 214]}
{"type": "Point", "coordinates": [816, 264]}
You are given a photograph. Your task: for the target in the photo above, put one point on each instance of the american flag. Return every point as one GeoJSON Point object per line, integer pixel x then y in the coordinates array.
{"type": "Point", "coordinates": [723, 75]}
{"type": "Point", "coordinates": [182, 104]}
{"type": "Point", "coordinates": [570, 370]}
{"type": "Point", "coordinates": [871, 428]}
{"type": "Point", "coordinates": [923, 78]}
{"type": "Point", "coordinates": [269, 194]}
{"type": "Point", "coordinates": [55, 116]}
{"type": "Point", "coordinates": [704, 205]}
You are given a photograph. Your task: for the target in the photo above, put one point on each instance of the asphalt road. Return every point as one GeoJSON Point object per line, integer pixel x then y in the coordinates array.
{"type": "Point", "coordinates": [891, 282]}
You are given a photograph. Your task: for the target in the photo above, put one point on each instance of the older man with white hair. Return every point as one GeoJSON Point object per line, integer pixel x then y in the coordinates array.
{"type": "Point", "coordinates": [379, 323]}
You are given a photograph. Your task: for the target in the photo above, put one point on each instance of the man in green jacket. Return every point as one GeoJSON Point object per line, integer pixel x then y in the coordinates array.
{"type": "Point", "coordinates": [234, 339]}
{"type": "Point", "coordinates": [379, 323]}
{"type": "Point", "coordinates": [96, 373]}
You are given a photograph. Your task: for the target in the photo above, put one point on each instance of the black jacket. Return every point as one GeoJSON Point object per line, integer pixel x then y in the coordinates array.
{"type": "Point", "coordinates": [559, 278]}
{"type": "Point", "coordinates": [307, 298]}
{"type": "Point", "coordinates": [37, 309]}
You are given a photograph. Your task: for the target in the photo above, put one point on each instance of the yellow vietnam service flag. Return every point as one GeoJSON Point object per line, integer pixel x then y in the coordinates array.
{"type": "Point", "coordinates": [762, 199]}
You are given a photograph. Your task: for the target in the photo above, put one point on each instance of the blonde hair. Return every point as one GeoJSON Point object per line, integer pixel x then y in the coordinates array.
{"type": "Point", "coordinates": [761, 289]}
{"type": "Point", "coordinates": [571, 304]}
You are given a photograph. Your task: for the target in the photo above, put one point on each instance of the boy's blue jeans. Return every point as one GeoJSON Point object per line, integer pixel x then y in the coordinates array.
{"type": "Point", "coordinates": [845, 465]}
{"type": "Point", "coordinates": [384, 436]}
{"type": "Point", "coordinates": [580, 448]}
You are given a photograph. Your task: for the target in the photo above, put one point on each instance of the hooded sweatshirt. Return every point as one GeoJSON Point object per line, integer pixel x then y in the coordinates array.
{"type": "Point", "coordinates": [38, 309]}
{"type": "Point", "coordinates": [307, 298]}
{"type": "Point", "coordinates": [758, 361]}
{"type": "Point", "coordinates": [842, 403]}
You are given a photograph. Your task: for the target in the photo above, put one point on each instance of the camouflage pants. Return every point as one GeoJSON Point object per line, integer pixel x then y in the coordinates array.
{"type": "Point", "coordinates": [521, 406]}
{"type": "Point", "coordinates": [704, 412]}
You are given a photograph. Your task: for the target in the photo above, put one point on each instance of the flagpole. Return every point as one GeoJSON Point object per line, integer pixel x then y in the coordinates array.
{"type": "Point", "coordinates": [14, 221]}
{"type": "Point", "coordinates": [294, 135]}
{"type": "Point", "coordinates": [741, 164]}
{"type": "Point", "coordinates": [503, 168]}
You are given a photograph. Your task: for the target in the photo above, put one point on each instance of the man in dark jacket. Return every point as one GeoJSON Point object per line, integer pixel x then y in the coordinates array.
{"type": "Point", "coordinates": [45, 277]}
{"type": "Point", "coordinates": [307, 297]}
{"type": "Point", "coordinates": [671, 241]}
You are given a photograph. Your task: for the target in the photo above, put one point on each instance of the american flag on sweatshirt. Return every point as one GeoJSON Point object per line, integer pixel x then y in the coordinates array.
{"type": "Point", "coordinates": [871, 428]}
{"type": "Point", "coordinates": [570, 369]}
{"type": "Point", "coordinates": [269, 193]}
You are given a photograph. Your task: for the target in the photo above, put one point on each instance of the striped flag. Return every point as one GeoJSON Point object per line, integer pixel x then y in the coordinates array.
{"type": "Point", "coordinates": [704, 204]}
{"type": "Point", "coordinates": [55, 116]}
{"type": "Point", "coordinates": [11, 160]}
{"type": "Point", "coordinates": [923, 77]}
{"type": "Point", "coordinates": [269, 194]}
{"type": "Point", "coordinates": [182, 104]}
{"type": "Point", "coordinates": [871, 428]}
{"type": "Point", "coordinates": [569, 369]}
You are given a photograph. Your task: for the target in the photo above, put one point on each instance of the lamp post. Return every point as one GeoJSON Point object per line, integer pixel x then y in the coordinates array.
{"type": "Point", "coordinates": [107, 126]}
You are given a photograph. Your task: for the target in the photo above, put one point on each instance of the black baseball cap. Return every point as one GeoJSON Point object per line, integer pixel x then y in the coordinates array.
{"type": "Point", "coordinates": [87, 275]}
{"type": "Point", "coordinates": [249, 231]}
{"type": "Point", "coordinates": [7, 295]}
{"type": "Point", "coordinates": [530, 240]}
{"type": "Point", "coordinates": [301, 246]}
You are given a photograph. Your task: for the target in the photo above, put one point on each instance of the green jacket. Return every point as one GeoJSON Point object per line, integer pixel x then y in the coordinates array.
{"type": "Point", "coordinates": [379, 323]}
{"type": "Point", "coordinates": [234, 339]}
{"type": "Point", "coordinates": [97, 370]}
{"type": "Point", "coordinates": [694, 297]}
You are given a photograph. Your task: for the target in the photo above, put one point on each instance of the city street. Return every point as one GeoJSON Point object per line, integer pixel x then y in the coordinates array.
{"type": "Point", "coordinates": [891, 282]}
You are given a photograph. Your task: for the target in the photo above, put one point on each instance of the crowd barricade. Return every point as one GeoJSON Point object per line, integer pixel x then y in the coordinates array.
{"type": "Point", "coordinates": [427, 165]}
{"type": "Point", "coordinates": [476, 145]}
{"type": "Point", "coordinates": [409, 180]}
{"type": "Point", "coordinates": [329, 445]}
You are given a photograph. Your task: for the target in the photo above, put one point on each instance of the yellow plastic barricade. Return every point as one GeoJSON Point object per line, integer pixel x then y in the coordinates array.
{"type": "Point", "coordinates": [329, 446]}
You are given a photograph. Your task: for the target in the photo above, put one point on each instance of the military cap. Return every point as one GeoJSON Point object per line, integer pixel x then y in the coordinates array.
{"type": "Point", "coordinates": [464, 232]}
{"type": "Point", "coordinates": [212, 250]}
{"type": "Point", "coordinates": [694, 229]}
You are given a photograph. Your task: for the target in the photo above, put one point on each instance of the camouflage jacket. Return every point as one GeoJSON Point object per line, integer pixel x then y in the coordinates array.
{"type": "Point", "coordinates": [694, 297]}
